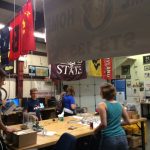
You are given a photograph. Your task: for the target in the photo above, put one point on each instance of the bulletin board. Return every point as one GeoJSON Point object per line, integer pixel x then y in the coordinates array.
{"type": "Point", "coordinates": [120, 85]}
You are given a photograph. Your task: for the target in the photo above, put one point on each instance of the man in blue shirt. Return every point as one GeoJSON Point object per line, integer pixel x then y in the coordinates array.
{"type": "Point", "coordinates": [32, 107]}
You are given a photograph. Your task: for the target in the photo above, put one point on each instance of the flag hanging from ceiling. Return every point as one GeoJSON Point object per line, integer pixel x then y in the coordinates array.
{"type": "Point", "coordinates": [4, 45]}
{"type": "Point", "coordinates": [27, 36]}
{"type": "Point", "coordinates": [21, 34]}
{"type": "Point", "coordinates": [69, 71]}
{"type": "Point", "coordinates": [106, 68]}
{"type": "Point", "coordinates": [94, 68]}
{"type": "Point", "coordinates": [15, 37]}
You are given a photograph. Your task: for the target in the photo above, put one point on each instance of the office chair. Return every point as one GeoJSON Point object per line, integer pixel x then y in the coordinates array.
{"type": "Point", "coordinates": [66, 142]}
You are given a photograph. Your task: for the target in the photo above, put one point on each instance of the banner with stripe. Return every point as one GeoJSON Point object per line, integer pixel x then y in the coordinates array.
{"type": "Point", "coordinates": [94, 68]}
{"type": "Point", "coordinates": [106, 68]}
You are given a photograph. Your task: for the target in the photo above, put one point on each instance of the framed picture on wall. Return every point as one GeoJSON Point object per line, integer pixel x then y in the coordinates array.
{"type": "Point", "coordinates": [125, 70]}
{"type": "Point", "coordinates": [147, 68]}
{"type": "Point", "coordinates": [42, 71]}
{"type": "Point", "coordinates": [38, 71]}
{"type": "Point", "coordinates": [146, 59]}
{"type": "Point", "coordinates": [32, 70]}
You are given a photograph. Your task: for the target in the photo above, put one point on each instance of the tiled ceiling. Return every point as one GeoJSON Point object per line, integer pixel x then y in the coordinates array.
{"type": "Point", "coordinates": [7, 12]}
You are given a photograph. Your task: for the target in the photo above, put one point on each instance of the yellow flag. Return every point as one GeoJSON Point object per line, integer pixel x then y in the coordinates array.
{"type": "Point", "coordinates": [94, 68]}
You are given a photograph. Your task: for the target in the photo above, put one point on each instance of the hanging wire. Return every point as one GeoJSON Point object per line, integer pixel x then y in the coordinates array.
{"type": "Point", "coordinates": [34, 9]}
{"type": "Point", "coordinates": [9, 87]}
{"type": "Point", "coordinates": [79, 93]}
{"type": "Point", "coordinates": [95, 92]}
{"type": "Point", "coordinates": [44, 21]}
{"type": "Point", "coordinates": [14, 8]}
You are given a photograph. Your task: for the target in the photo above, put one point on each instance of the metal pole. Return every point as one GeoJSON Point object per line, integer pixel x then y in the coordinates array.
{"type": "Point", "coordinates": [79, 93]}
{"type": "Point", "coordinates": [95, 93]}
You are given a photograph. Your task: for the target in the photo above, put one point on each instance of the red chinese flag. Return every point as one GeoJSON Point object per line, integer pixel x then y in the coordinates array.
{"type": "Point", "coordinates": [106, 64]}
{"type": "Point", "coordinates": [15, 37]}
{"type": "Point", "coordinates": [27, 36]}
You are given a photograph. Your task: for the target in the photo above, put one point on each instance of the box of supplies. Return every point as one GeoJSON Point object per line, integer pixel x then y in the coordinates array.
{"type": "Point", "coordinates": [24, 138]}
{"type": "Point", "coordinates": [134, 141]}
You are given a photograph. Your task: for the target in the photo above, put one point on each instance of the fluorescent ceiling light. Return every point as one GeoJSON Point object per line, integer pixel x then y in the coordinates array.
{"type": "Point", "coordinates": [2, 26]}
{"type": "Point", "coordinates": [131, 57]}
{"type": "Point", "coordinates": [36, 34]}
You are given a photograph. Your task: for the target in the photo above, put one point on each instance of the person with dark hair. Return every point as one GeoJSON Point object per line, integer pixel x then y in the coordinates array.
{"type": "Point", "coordinates": [112, 134]}
{"type": "Point", "coordinates": [69, 102]}
{"type": "Point", "coordinates": [32, 106]}
{"type": "Point", "coordinates": [63, 92]}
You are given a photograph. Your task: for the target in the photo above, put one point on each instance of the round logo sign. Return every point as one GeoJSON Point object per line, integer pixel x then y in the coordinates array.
{"type": "Point", "coordinates": [97, 13]}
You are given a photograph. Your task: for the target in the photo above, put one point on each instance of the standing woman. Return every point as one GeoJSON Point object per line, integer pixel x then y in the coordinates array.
{"type": "Point", "coordinates": [69, 102]}
{"type": "Point", "coordinates": [111, 112]}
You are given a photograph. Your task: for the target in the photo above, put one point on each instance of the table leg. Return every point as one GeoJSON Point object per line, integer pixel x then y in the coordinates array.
{"type": "Point", "coordinates": [148, 112]}
{"type": "Point", "coordinates": [143, 135]}
{"type": "Point", "coordinates": [142, 113]}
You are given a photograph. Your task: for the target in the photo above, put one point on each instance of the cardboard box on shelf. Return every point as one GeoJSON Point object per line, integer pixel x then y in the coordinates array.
{"type": "Point", "coordinates": [134, 129]}
{"type": "Point", "coordinates": [134, 141]}
{"type": "Point", "coordinates": [24, 138]}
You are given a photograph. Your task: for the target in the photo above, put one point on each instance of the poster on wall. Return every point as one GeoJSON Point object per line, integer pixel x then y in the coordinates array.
{"type": "Point", "coordinates": [120, 85]}
{"type": "Point", "coordinates": [120, 97]}
{"type": "Point", "coordinates": [147, 88]}
{"type": "Point", "coordinates": [146, 59]}
{"type": "Point", "coordinates": [38, 71]}
{"type": "Point", "coordinates": [147, 85]}
{"type": "Point", "coordinates": [93, 29]}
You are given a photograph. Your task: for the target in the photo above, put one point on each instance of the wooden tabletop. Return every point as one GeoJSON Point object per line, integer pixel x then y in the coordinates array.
{"type": "Point", "coordinates": [133, 121]}
{"type": "Point", "coordinates": [145, 103]}
{"type": "Point", "coordinates": [60, 127]}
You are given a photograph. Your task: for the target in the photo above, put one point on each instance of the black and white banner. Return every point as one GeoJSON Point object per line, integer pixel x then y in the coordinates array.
{"type": "Point", "coordinates": [69, 71]}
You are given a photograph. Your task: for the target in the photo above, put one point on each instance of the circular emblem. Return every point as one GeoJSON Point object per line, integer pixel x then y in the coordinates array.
{"type": "Point", "coordinates": [97, 13]}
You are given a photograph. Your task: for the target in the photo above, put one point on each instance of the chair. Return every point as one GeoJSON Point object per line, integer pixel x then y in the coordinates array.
{"type": "Point", "coordinates": [66, 142]}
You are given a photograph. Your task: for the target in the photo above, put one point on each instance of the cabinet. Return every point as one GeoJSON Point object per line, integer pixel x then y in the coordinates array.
{"type": "Point", "coordinates": [17, 117]}
{"type": "Point", "coordinates": [13, 118]}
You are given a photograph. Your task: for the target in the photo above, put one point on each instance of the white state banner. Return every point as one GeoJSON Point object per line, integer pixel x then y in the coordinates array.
{"type": "Point", "coordinates": [92, 29]}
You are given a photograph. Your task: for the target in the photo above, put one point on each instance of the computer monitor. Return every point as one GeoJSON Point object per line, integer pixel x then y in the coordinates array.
{"type": "Point", "coordinates": [10, 105]}
{"type": "Point", "coordinates": [16, 102]}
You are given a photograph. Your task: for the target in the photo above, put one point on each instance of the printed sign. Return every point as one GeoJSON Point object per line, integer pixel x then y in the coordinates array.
{"type": "Point", "coordinates": [69, 71]}
{"type": "Point", "coordinates": [106, 68]}
{"type": "Point", "coordinates": [93, 29]}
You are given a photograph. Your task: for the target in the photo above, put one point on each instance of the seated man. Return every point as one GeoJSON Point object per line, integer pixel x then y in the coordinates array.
{"type": "Point", "coordinates": [32, 107]}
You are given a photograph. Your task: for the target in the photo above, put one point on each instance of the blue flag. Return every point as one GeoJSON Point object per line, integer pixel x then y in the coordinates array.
{"type": "Point", "coordinates": [4, 45]}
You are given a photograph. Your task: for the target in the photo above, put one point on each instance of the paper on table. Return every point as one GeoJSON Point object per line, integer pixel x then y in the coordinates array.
{"type": "Point", "coordinates": [20, 132]}
{"type": "Point", "coordinates": [77, 117]}
{"type": "Point", "coordinates": [47, 133]}
{"type": "Point", "coordinates": [96, 124]}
